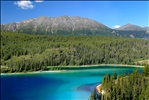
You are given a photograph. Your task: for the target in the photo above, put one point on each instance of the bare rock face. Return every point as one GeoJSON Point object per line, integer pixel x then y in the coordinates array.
{"type": "Point", "coordinates": [63, 25]}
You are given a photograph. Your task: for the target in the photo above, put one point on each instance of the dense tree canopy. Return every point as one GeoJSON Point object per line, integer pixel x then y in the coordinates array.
{"type": "Point", "coordinates": [125, 87]}
{"type": "Point", "coordinates": [24, 52]}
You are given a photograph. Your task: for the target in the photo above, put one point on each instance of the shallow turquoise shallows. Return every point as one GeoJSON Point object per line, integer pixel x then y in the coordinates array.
{"type": "Point", "coordinates": [68, 85]}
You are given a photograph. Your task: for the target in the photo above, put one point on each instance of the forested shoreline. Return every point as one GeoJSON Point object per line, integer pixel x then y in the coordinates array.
{"type": "Point", "coordinates": [133, 86]}
{"type": "Point", "coordinates": [23, 52]}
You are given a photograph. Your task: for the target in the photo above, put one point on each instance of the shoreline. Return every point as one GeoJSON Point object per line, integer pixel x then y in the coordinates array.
{"type": "Point", "coordinates": [98, 88]}
{"type": "Point", "coordinates": [123, 65]}
{"type": "Point", "coordinates": [35, 72]}
{"type": "Point", "coordinates": [85, 66]}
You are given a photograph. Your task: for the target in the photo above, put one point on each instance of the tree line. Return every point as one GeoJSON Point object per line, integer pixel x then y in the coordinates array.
{"type": "Point", "coordinates": [124, 87]}
{"type": "Point", "coordinates": [23, 52]}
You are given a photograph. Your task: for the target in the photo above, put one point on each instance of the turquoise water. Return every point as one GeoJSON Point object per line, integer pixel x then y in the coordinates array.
{"type": "Point", "coordinates": [68, 85]}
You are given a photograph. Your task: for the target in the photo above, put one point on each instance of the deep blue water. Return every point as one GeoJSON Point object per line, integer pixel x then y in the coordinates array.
{"type": "Point", "coordinates": [69, 85]}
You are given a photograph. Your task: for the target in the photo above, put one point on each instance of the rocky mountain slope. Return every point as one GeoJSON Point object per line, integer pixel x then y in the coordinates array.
{"type": "Point", "coordinates": [64, 25]}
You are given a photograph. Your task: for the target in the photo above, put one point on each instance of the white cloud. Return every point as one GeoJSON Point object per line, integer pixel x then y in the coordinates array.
{"type": "Point", "coordinates": [116, 26]}
{"type": "Point", "coordinates": [24, 4]}
{"type": "Point", "coordinates": [38, 0]}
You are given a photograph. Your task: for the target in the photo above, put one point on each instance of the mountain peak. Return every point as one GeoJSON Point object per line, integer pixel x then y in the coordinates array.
{"type": "Point", "coordinates": [68, 25]}
{"type": "Point", "coordinates": [131, 27]}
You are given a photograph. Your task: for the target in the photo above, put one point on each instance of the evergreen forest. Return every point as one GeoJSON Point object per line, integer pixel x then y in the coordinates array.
{"type": "Point", "coordinates": [134, 86]}
{"type": "Point", "coordinates": [24, 52]}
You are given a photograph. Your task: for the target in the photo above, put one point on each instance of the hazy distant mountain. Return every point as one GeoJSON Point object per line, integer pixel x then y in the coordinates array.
{"type": "Point", "coordinates": [64, 25]}
{"type": "Point", "coordinates": [146, 28]}
{"type": "Point", "coordinates": [131, 27]}
{"type": "Point", "coordinates": [133, 31]}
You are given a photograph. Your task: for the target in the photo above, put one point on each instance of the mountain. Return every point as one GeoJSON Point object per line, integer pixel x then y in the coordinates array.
{"type": "Point", "coordinates": [63, 25]}
{"type": "Point", "coordinates": [131, 27]}
{"type": "Point", "coordinates": [133, 31]}
{"type": "Point", "coordinates": [146, 28]}
{"type": "Point", "coordinates": [73, 25]}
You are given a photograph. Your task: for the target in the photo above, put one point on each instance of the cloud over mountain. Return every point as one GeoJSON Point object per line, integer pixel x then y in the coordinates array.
{"type": "Point", "coordinates": [24, 4]}
{"type": "Point", "coordinates": [116, 26]}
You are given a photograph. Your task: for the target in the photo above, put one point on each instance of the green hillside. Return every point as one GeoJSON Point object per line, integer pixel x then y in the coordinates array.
{"type": "Point", "coordinates": [24, 52]}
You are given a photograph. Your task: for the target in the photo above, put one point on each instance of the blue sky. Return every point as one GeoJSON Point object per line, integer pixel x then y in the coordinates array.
{"type": "Point", "coordinates": [109, 13]}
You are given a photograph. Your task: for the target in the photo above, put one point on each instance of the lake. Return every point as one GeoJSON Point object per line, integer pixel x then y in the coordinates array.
{"type": "Point", "coordinates": [67, 85]}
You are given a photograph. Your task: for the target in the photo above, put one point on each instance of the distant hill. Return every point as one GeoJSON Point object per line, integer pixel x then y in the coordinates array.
{"type": "Point", "coordinates": [73, 25]}
{"type": "Point", "coordinates": [131, 27]}
{"type": "Point", "coordinates": [146, 28]}
{"type": "Point", "coordinates": [133, 31]}
{"type": "Point", "coordinates": [132, 34]}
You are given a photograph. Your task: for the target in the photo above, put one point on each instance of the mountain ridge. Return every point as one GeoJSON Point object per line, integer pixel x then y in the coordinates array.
{"type": "Point", "coordinates": [55, 25]}
{"type": "Point", "coordinates": [132, 27]}
{"type": "Point", "coordinates": [73, 25]}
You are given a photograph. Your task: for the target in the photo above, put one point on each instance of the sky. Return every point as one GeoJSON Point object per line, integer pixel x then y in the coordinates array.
{"type": "Point", "coordinates": [110, 13]}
